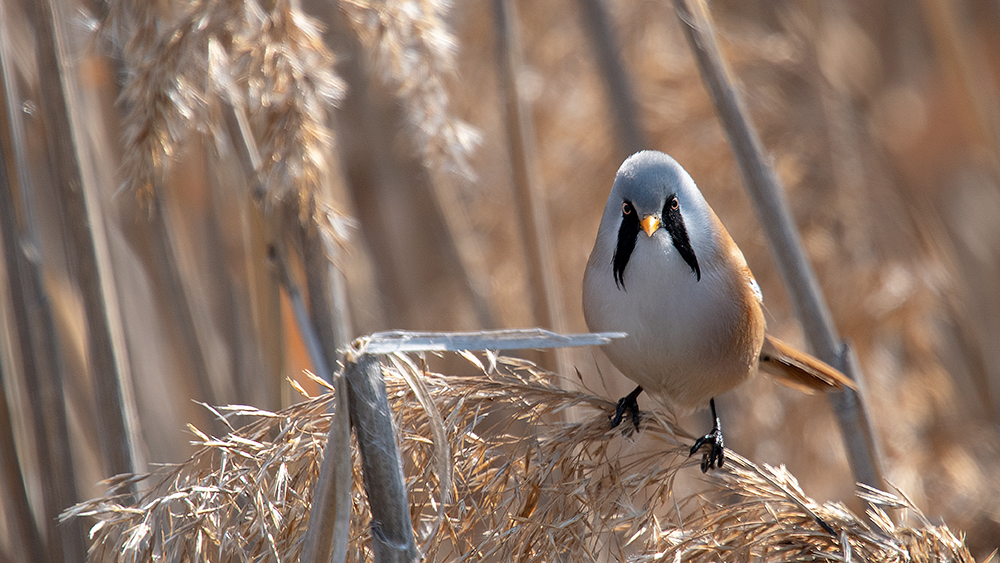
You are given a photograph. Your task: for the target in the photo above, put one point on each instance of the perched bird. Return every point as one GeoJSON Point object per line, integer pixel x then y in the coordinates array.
{"type": "Point", "coordinates": [665, 271]}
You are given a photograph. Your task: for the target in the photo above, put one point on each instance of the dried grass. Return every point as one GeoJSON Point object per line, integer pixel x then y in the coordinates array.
{"type": "Point", "coordinates": [521, 487]}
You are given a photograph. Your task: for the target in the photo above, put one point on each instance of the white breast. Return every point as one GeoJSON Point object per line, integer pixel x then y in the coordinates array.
{"type": "Point", "coordinates": [680, 330]}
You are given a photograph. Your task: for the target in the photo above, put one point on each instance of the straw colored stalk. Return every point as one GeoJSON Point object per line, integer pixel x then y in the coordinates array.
{"type": "Point", "coordinates": [24, 287]}
{"type": "Point", "coordinates": [39, 365]}
{"type": "Point", "coordinates": [88, 252]}
{"type": "Point", "coordinates": [514, 487]}
{"type": "Point", "coordinates": [617, 82]}
{"type": "Point", "coordinates": [531, 210]}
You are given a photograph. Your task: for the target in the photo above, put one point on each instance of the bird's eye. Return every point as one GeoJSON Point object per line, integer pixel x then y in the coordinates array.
{"type": "Point", "coordinates": [626, 208]}
{"type": "Point", "coordinates": [674, 204]}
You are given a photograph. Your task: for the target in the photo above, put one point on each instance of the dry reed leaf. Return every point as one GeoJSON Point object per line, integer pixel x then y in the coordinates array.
{"type": "Point", "coordinates": [521, 488]}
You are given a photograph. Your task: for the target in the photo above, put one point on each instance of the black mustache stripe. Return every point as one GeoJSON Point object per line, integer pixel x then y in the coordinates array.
{"type": "Point", "coordinates": [674, 223]}
{"type": "Point", "coordinates": [627, 233]}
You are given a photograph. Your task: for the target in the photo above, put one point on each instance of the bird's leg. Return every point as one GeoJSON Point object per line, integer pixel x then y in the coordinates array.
{"type": "Point", "coordinates": [716, 453]}
{"type": "Point", "coordinates": [628, 403]}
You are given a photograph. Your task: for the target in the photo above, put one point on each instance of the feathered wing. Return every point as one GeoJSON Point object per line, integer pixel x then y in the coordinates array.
{"type": "Point", "coordinates": [799, 370]}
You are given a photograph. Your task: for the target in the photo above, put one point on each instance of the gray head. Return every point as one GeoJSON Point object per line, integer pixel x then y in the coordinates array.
{"type": "Point", "coordinates": [652, 193]}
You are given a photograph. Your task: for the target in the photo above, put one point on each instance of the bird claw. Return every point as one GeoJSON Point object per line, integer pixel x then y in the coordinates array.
{"type": "Point", "coordinates": [715, 456]}
{"type": "Point", "coordinates": [627, 403]}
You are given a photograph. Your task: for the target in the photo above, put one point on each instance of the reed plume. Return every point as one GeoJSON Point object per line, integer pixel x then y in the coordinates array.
{"type": "Point", "coordinates": [518, 487]}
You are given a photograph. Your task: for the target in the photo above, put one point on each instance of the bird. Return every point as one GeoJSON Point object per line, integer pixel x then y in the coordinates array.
{"type": "Point", "coordinates": [665, 271]}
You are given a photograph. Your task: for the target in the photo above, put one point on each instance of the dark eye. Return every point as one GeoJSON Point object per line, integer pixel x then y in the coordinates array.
{"type": "Point", "coordinates": [673, 204]}
{"type": "Point", "coordinates": [626, 208]}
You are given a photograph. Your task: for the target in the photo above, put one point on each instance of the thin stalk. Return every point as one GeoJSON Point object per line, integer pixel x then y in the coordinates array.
{"type": "Point", "coordinates": [532, 210]}
{"type": "Point", "coordinates": [226, 205]}
{"type": "Point", "coordinates": [966, 66]}
{"type": "Point", "coordinates": [617, 82]}
{"type": "Point", "coordinates": [22, 522]}
{"type": "Point", "coordinates": [328, 305]}
{"type": "Point", "coordinates": [42, 367]}
{"type": "Point", "coordinates": [405, 341]}
{"type": "Point", "coordinates": [170, 270]}
{"type": "Point", "coordinates": [258, 238]}
{"type": "Point", "coordinates": [81, 204]}
{"type": "Point", "coordinates": [326, 539]}
{"type": "Point", "coordinates": [18, 508]}
{"type": "Point", "coordinates": [767, 195]}
{"type": "Point", "coordinates": [330, 518]}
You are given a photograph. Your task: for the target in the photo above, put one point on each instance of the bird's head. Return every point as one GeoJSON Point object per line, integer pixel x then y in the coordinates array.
{"type": "Point", "coordinates": [653, 196]}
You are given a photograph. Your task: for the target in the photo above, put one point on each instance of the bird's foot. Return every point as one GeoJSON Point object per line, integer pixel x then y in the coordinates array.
{"type": "Point", "coordinates": [625, 404]}
{"type": "Point", "coordinates": [716, 454]}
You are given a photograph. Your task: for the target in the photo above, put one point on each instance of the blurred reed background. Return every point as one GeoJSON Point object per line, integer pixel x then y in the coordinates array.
{"type": "Point", "coordinates": [162, 163]}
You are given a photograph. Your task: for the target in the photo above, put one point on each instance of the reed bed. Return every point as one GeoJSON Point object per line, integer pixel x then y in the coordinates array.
{"type": "Point", "coordinates": [509, 482]}
{"type": "Point", "coordinates": [315, 160]}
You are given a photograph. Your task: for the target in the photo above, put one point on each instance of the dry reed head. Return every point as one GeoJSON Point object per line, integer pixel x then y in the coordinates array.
{"type": "Point", "coordinates": [271, 65]}
{"type": "Point", "coordinates": [168, 83]}
{"type": "Point", "coordinates": [290, 85]}
{"type": "Point", "coordinates": [415, 52]}
{"type": "Point", "coordinates": [520, 484]}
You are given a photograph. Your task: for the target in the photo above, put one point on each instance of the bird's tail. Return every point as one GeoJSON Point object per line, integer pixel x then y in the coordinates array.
{"type": "Point", "coordinates": [799, 370]}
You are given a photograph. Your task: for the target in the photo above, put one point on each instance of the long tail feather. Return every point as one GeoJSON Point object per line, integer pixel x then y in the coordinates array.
{"type": "Point", "coordinates": [799, 370]}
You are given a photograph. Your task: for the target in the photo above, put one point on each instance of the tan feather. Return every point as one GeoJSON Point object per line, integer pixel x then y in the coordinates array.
{"type": "Point", "coordinates": [799, 370]}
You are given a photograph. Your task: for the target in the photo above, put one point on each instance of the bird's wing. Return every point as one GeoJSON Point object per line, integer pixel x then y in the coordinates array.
{"type": "Point", "coordinates": [799, 370]}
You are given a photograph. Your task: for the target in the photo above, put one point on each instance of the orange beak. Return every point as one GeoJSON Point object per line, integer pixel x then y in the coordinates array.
{"type": "Point", "coordinates": [650, 223]}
